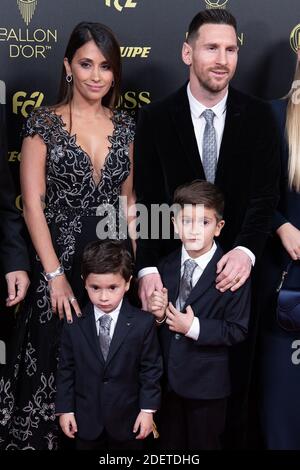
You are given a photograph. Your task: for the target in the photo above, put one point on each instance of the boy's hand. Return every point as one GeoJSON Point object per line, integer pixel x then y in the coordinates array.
{"type": "Point", "coordinates": [68, 424]}
{"type": "Point", "coordinates": [144, 422]}
{"type": "Point", "coordinates": [177, 321]}
{"type": "Point", "coordinates": [158, 303]}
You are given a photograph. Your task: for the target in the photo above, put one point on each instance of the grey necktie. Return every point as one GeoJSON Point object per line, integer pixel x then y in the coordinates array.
{"type": "Point", "coordinates": [104, 337]}
{"type": "Point", "coordinates": [186, 282]}
{"type": "Point", "coordinates": [209, 149]}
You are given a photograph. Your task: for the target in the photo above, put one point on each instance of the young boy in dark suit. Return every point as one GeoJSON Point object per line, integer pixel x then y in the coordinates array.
{"type": "Point", "coordinates": [197, 324]}
{"type": "Point", "coordinates": [110, 363]}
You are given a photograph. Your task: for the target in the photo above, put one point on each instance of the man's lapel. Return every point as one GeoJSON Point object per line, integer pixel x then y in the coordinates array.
{"type": "Point", "coordinates": [181, 115]}
{"type": "Point", "coordinates": [88, 326]}
{"type": "Point", "coordinates": [233, 124]}
{"type": "Point", "coordinates": [123, 326]}
{"type": "Point", "coordinates": [206, 280]}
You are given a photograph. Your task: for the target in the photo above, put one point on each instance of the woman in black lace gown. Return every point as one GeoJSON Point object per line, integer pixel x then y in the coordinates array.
{"type": "Point", "coordinates": [76, 160]}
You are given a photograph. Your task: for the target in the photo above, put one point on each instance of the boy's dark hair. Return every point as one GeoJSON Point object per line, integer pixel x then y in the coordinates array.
{"type": "Point", "coordinates": [200, 192]}
{"type": "Point", "coordinates": [213, 16]}
{"type": "Point", "coordinates": [106, 256]}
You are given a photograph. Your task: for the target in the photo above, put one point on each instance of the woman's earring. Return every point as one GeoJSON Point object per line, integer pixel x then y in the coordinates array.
{"type": "Point", "coordinates": [69, 78]}
{"type": "Point", "coordinates": [112, 84]}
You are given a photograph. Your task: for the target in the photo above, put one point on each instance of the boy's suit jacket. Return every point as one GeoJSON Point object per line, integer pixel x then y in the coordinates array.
{"type": "Point", "coordinates": [199, 369]}
{"type": "Point", "coordinates": [109, 394]}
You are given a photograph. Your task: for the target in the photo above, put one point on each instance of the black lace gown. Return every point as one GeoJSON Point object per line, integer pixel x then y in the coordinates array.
{"type": "Point", "coordinates": [27, 390]}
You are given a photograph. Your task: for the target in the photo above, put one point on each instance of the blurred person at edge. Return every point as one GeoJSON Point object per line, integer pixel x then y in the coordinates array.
{"type": "Point", "coordinates": [13, 251]}
{"type": "Point", "coordinates": [279, 373]}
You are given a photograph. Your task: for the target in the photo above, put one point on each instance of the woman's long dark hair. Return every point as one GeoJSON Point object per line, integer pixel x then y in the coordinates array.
{"type": "Point", "coordinates": [109, 47]}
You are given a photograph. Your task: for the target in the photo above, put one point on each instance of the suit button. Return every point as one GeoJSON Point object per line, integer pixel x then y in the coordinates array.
{"type": "Point", "coordinates": [177, 336]}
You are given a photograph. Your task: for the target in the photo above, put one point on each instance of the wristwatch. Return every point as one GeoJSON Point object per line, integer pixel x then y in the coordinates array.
{"type": "Point", "coordinates": [58, 272]}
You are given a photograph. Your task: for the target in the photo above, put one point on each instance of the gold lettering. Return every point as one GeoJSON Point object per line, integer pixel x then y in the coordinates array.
{"type": "Point", "coordinates": [137, 51]}
{"type": "Point", "coordinates": [144, 97]}
{"type": "Point", "coordinates": [36, 35]}
{"type": "Point", "coordinates": [146, 52]}
{"type": "Point", "coordinates": [241, 39]}
{"type": "Point", "coordinates": [129, 97]}
{"type": "Point", "coordinates": [18, 202]}
{"type": "Point", "coordinates": [130, 4]}
{"type": "Point", "coordinates": [12, 35]}
{"type": "Point", "coordinates": [3, 32]}
{"type": "Point", "coordinates": [14, 156]}
{"type": "Point", "coordinates": [16, 103]}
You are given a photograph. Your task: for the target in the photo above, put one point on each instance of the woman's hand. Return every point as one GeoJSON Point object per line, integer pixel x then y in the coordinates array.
{"type": "Point", "coordinates": [290, 238]}
{"type": "Point", "coordinates": [62, 298]}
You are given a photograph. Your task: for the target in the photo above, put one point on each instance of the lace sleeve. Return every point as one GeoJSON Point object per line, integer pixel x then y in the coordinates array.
{"type": "Point", "coordinates": [38, 122]}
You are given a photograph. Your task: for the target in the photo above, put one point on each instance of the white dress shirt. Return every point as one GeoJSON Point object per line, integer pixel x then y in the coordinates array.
{"type": "Point", "coordinates": [199, 121]}
{"type": "Point", "coordinates": [202, 261]}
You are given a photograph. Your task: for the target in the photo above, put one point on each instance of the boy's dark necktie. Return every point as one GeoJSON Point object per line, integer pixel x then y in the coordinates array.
{"type": "Point", "coordinates": [104, 337]}
{"type": "Point", "coordinates": [186, 282]}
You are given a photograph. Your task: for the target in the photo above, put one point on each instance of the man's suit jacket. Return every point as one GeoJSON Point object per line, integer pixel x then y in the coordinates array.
{"type": "Point", "coordinates": [109, 394]}
{"type": "Point", "coordinates": [166, 156]}
{"type": "Point", "coordinates": [199, 369]}
{"type": "Point", "coordinates": [13, 252]}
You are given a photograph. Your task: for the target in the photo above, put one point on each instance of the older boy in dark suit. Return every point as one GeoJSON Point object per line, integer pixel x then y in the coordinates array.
{"type": "Point", "coordinates": [200, 323]}
{"type": "Point", "coordinates": [110, 362]}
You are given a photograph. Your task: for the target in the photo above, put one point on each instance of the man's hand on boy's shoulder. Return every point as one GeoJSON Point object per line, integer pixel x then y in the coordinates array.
{"type": "Point", "coordinates": [233, 270]}
{"type": "Point", "coordinates": [178, 321]}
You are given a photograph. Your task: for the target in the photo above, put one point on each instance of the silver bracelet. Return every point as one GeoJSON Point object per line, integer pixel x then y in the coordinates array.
{"type": "Point", "coordinates": [58, 272]}
{"type": "Point", "coordinates": [159, 322]}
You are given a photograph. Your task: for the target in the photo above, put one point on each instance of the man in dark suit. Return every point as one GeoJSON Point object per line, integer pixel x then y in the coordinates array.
{"type": "Point", "coordinates": [200, 324]}
{"type": "Point", "coordinates": [108, 392]}
{"type": "Point", "coordinates": [168, 151]}
{"type": "Point", "coordinates": [171, 148]}
{"type": "Point", "coordinates": [13, 252]}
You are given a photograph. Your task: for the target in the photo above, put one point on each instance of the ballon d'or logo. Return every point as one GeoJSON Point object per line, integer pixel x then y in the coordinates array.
{"type": "Point", "coordinates": [216, 4]}
{"type": "Point", "coordinates": [27, 9]}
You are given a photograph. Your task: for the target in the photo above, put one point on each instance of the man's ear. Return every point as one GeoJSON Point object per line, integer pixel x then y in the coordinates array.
{"type": "Point", "coordinates": [186, 54]}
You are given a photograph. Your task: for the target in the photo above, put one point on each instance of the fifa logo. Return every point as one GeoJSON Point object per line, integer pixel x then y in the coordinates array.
{"type": "Point", "coordinates": [118, 6]}
{"type": "Point", "coordinates": [24, 106]}
{"type": "Point", "coordinates": [216, 4]}
{"type": "Point", "coordinates": [27, 9]}
{"type": "Point", "coordinates": [295, 38]}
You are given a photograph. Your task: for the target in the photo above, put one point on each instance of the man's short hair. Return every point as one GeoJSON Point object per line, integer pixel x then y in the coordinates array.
{"type": "Point", "coordinates": [212, 16]}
